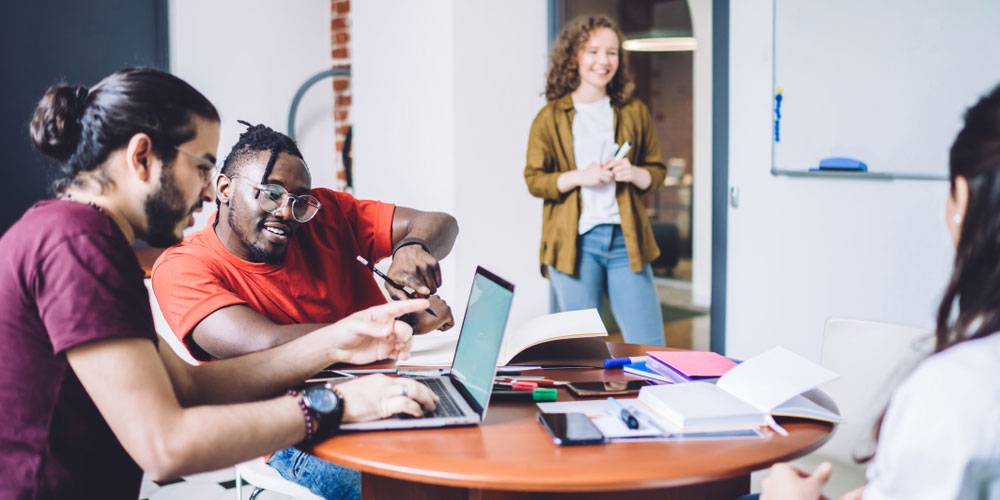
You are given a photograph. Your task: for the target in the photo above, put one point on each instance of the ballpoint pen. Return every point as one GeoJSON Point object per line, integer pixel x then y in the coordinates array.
{"type": "Point", "coordinates": [542, 382]}
{"type": "Point", "coordinates": [623, 150]}
{"type": "Point", "coordinates": [630, 421]}
{"type": "Point", "coordinates": [389, 280]}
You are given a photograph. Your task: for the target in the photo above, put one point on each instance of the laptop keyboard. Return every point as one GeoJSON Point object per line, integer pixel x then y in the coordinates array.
{"type": "Point", "coordinates": [446, 407]}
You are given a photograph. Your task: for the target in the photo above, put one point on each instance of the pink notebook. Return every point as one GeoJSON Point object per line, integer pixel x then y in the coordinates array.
{"type": "Point", "coordinates": [694, 363]}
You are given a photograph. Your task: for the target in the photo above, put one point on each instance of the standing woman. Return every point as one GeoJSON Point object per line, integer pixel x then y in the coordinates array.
{"type": "Point", "coordinates": [596, 237]}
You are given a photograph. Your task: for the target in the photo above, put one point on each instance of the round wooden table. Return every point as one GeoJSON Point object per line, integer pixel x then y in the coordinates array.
{"type": "Point", "coordinates": [511, 456]}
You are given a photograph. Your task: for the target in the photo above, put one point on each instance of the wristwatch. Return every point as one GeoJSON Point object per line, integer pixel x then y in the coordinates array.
{"type": "Point", "coordinates": [326, 405]}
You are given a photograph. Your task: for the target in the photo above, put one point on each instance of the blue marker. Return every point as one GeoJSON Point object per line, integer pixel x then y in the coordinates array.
{"type": "Point", "coordinates": [618, 362]}
{"type": "Point", "coordinates": [630, 421]}
{"type": "Point", "coordinates": [777, 113]}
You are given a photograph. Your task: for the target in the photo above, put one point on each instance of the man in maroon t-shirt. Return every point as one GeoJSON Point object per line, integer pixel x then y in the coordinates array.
{"type": "Point", "coordinates": [89, 401]}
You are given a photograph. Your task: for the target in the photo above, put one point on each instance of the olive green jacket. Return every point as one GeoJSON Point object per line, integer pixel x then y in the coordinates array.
{"type": "Point", "coordinates": [550, 153]}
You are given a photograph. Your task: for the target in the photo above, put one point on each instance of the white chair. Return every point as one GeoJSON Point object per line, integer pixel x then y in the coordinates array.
{"type": "Point", "coordinates": [163, 329]}
{"type": "Point", "coordinates": [871, 358]}
{"type": "Point", "coordinates": [256, 471]}
{"type": "Point", "coordinates": [263, 477]}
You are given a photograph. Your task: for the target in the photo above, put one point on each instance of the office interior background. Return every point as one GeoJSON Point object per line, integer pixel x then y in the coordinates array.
{"type": "Point", "coordinates": [438, 104]}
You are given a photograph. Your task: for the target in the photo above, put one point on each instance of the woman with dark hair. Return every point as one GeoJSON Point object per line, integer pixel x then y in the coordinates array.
{"type": "Point", "coordinates": [596, 237]}
{"type": "Point", "coordinates": [89, 398]}
{"type": "Point", "coordinates": [940, 436]}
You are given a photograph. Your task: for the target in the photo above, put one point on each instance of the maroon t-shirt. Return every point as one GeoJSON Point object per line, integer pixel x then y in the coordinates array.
{"type": "Point", "coordinates": [67, 276]}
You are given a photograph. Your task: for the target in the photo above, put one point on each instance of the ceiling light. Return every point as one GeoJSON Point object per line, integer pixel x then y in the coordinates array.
{"type": "Point", "coordinates": [660, 44]}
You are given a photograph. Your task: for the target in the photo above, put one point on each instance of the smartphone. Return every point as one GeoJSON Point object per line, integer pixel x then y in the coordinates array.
{"type": "Point", "coordinates": [570, 428]}
{"type": "Point", "coordinates": [608, 388]}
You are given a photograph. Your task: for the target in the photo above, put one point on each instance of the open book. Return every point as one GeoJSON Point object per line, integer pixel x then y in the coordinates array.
{"type": "Point", "coordinates": [746, 396]}
{"type": "Point", "coordinates": [565, 338]}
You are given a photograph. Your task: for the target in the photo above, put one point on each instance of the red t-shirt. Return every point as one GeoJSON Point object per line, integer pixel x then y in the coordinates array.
{"type": "Point", "coordinates": [320, 280]}
{"type": "Point", "coordinates": [68, 276]}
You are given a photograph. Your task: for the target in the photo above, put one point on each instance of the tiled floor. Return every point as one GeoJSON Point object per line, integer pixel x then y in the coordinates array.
{"type": "Point", "coordinates": [216, 485]}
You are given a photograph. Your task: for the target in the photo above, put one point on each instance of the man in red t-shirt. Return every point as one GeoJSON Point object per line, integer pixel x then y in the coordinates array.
{"type": "Point", "coordinates": [279, 260]}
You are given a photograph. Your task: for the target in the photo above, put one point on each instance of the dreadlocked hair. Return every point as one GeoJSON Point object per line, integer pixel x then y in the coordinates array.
{"type": "Point", "coordinates": [255, 139]}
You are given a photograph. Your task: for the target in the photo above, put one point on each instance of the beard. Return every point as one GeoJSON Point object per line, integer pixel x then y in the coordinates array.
{"type": "Point", "coordinates": [164, 210]}
{"type": "Point", "coordinates": [257, 254]}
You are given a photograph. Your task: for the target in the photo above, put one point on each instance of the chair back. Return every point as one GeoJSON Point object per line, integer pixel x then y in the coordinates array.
{"type": "Point", "coordinates": [163, 329]}
{"type": "Point", "coordinates": [263, 477]}
{"type": "Point", "coordinates": [871, 357]}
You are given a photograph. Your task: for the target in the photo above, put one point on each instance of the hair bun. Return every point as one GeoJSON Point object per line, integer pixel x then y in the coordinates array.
{"type": "Point", "coordinates": [55, 127]}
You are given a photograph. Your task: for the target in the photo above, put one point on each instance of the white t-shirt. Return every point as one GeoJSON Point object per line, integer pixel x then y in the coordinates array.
{"type": "Point", "coordinates": [594, 142]}
{"type": "Point", "coordinates": [940, 438]}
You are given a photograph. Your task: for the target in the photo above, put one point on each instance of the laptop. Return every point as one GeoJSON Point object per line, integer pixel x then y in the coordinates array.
{"type": "Point", "coordinates": [465, 390]}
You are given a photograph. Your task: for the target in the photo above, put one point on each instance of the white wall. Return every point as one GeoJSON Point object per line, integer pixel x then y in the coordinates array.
{"type": "Point", "coordinates": [444, 94]}
{"type": "Point", "coordinates": [801, 250]}
{"type": "Point", "coordinates": [249, 57]}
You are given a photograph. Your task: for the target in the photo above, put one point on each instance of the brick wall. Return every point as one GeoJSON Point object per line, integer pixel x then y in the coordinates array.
{"type": "Point", "coordinates": [340, 46]}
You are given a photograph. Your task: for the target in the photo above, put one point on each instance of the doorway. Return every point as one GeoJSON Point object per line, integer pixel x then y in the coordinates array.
{"type": "Point", "coordinates": [680, 210]}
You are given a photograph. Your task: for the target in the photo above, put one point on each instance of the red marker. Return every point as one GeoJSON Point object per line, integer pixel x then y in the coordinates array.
{"type": "Point", "coordinates": [539, 382]}
{"type": "Point", "coordinates": [519, 385]}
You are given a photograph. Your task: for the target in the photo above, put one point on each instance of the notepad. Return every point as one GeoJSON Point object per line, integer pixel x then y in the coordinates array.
{"type": "Point", "coordinates": [693, 364]}
{"type": "Point", "coordinates": [640, 369]}
{"type": "Point", "coordinates": [745, 397]}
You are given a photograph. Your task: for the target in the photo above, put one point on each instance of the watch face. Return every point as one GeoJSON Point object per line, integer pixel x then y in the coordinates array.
{"type": "Point", "coordinates": [320, 399]}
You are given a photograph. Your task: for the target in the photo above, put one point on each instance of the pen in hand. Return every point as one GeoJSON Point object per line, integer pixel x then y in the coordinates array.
{"type": "Point", "coordinates": [389, 280]}
{"type": "Point", "coordinates": [630, 421]}
{"type": "Point", "coordinates": [622, 151]}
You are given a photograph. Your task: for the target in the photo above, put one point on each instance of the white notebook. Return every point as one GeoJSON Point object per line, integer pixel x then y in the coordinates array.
{"type": "Point", "coordinates": [745, 397]}
{"type": "Point", "coordinates": [437, 349]}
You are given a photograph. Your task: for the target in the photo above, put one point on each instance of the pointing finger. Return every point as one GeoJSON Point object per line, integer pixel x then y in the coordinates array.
{"type": "Point", "coordinates": [397, 308]}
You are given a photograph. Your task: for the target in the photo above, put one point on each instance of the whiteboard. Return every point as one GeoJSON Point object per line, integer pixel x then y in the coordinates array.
{"type": "Point", "coordinates": [885, 82]}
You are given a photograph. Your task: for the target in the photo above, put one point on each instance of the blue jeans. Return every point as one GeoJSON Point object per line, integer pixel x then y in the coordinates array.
{"type": "Point", "coordinates": [323, 478]}
{"type": "Point", "coordinates": [604, 267]}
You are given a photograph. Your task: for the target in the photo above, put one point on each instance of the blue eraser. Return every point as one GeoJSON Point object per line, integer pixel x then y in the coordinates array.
{"type": "Point", "coordinates": [849, 164]}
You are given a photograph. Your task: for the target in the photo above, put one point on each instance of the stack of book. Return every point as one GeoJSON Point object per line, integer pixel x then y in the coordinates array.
{"type": "Point", "coordinates": [671, 367]}
{"type": "Point", "coordinates": [746, 396]}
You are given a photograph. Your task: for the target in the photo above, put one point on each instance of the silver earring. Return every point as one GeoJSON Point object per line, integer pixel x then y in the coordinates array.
{"type": "Point", "coordinates": [957, 218]}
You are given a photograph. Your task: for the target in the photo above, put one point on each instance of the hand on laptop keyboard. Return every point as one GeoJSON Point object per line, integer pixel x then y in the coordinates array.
{"type": "Point", "coordinates": [378, 396]}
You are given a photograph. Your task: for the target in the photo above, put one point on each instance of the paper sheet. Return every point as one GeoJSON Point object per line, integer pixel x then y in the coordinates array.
{"type": "Point", "coordinates": [603, 416]}
{"type": "Point", "coordinates": [773, 377]}
{"type": "Point", "coordinates": [432, 350]}
{"type": "Point", "coordinates": [614, 429]}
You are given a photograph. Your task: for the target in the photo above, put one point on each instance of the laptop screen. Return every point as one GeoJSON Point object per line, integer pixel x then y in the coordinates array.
{"type": "Point", "coordinates": [482, 332]}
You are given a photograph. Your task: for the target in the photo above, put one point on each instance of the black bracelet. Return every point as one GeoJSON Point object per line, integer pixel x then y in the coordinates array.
{"type": "Point", "coordinates": [409, 319]}
{"type": "Point", "coordinates": [411, 241]}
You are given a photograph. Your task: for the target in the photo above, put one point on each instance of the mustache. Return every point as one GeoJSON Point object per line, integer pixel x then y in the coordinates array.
{"type": "Point", "coordinates": [290, 224]}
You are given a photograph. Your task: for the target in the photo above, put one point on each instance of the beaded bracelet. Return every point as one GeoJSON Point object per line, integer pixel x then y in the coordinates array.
{"type": "Point", "coordinates": [306, 413]}
{"type": "Point", "coordinates": [411, 241]}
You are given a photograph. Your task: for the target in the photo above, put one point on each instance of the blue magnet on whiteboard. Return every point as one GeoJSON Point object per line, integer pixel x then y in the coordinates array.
{"type": "Point", "coordinates": [840, 165]}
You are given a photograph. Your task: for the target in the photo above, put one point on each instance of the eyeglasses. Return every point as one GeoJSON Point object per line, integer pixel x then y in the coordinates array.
{"type": "Point", "coordinates": [272, 198]}
{"type": "Point", "coordinates": [206, 169]}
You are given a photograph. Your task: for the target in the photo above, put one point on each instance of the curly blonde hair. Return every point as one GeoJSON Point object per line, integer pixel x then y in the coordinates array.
{"type": "Point", "coordinates": [563, 75]}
